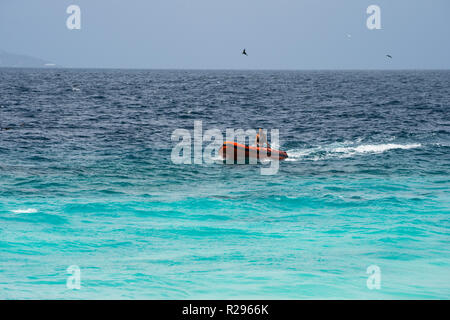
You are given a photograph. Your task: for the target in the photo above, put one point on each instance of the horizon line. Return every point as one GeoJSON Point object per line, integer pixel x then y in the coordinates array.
{"type": "Point", "coordinates": [220, 69]}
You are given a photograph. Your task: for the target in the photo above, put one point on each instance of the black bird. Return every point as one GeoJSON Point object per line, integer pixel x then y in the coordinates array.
{"type": "Point", "coordinates": [244, 53]}
{"type": "Point", "coordinates": [389, 56]}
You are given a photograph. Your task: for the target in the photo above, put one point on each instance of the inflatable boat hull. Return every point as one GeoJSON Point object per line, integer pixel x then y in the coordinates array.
{"type": "Point", "coordinates": [238, 151]}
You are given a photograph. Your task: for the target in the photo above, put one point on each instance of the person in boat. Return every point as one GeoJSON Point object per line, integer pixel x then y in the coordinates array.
{"type": "Point", "coordinates": [261, 139]}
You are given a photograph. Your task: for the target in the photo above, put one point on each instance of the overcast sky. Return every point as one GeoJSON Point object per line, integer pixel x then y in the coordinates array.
{"type": "Point", "coordinates": [210, 34]}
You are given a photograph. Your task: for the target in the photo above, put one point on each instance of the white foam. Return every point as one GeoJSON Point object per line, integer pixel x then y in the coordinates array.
{"type": "Point", "coordinates": [296, 154]}
{"type": "Point", "coordinates": [29, 210]}
{"type": "Point", "coordinates": [343, 150]}
{"type": "Point", "coordinates": [376, 148]}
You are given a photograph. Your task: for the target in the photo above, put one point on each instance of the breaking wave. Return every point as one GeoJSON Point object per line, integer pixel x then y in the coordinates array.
{"type": "Point", "coordinates": [30, 210]}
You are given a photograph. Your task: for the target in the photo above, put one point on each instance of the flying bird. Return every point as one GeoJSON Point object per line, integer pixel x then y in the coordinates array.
{"type": "Point", "coordinates": [244, 52]}
{"type": "Point", "coordinates": [389, 56]}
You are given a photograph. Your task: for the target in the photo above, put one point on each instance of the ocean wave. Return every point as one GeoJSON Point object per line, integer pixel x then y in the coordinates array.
{"type": "Point", "coordinates": [29, 210]}
{"type": "Point", "coordinates": [344, 150]}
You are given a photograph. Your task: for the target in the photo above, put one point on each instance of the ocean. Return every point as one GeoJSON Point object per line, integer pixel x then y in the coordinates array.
{"type": "Point", "coordinates": [87, 182]}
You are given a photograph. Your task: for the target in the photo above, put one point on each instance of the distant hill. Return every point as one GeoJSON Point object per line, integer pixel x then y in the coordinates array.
{"type": "Point", "coordinates": [22, 61]}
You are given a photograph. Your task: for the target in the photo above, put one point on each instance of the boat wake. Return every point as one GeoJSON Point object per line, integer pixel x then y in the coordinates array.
{"type": "Point", "coordinates": [344, 150]}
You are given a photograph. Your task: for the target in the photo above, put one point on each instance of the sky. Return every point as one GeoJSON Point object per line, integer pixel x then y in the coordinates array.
{"type": "Point", "coordinates": [210, 34]}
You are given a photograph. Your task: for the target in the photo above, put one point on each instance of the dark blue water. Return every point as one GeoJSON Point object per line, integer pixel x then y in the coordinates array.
{"type": "Point", "coordinates": [86, 179]}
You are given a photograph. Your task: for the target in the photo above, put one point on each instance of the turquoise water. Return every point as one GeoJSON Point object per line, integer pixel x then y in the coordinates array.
{"type": "Point", "coordinates": [86, 180]}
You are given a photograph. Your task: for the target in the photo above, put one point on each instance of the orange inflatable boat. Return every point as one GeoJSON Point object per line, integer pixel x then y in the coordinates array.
{"type": "Point", "coordinates": [238, 151]}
